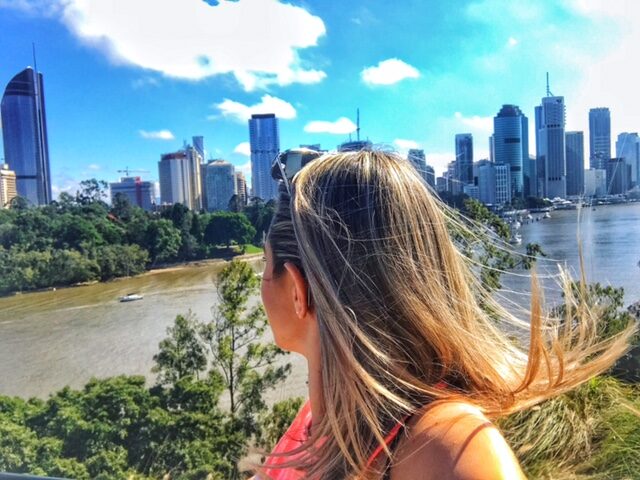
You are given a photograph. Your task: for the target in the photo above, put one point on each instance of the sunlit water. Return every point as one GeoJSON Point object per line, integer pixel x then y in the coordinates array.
{"type": "Point", "coordinates": [65, 337]}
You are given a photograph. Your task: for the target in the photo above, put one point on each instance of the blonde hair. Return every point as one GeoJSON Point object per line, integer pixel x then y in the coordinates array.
{"type": "Point", "coordinates": [400, 309]}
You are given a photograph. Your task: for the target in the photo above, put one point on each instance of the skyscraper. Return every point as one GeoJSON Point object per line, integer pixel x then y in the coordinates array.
{"type": "Point", "coordinates": [180, 180]}
{"type": "Point", "coordinates": [575, 162]}
{"type": "Point", "coordinates": [264, 139]}
{"type": "Point", "coordinates": [241, 188]}
{"type": "Point", "coordinates": [550, 144]}
{"type": "Point", "coordinates": [511, 146]}
{"type": "Point", "coordinates": [139, 192]}
{"type": "Point", "coordinates": [618, 173]}
{"type": "Point", "coordinates": [493, 183]}
{"type": "Point", "coordinates": [8, 189]}
{"type": "Point", "coordinates": [24, 132]}
{"type": "Point", "coordinates": [599, 137]}
{"type": "Point", "coordinates": [628, 147]}
{"type": "Point", "coordinates": [464, 158]}
{"type": "Point", "coordinates": [220, 184]}
{"type": "Point", "coordinates": [417, 159]}
{"type": "Point", "coordinates": [198, 144]}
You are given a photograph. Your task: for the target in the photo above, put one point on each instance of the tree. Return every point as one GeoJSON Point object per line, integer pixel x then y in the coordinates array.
{"type": "Point", "coordinates": [260, 214]}
{"type": "Point", "coordinates": [234, 340]}
{"type": "Point", "coordinates": [235, 203]}
{"type": "Point", "coordinates": [162, 240]}
{"type": "Point", "coordinates": [182, 353]}
{"type": "Point", "coordinates": [92, 191]}
{"type": "Point", "coordinates": [228, 227]}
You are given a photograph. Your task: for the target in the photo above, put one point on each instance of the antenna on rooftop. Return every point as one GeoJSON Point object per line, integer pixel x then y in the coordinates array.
{"type": "Point", "coordinates": [35, 64]}
{"type": "Point", "coordinates": [358, 123]}
{"type": "Point", "coordinates": [549, 94]}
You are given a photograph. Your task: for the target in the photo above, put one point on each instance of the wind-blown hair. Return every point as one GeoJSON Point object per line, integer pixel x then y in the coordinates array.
{"type": "Point", "coordinates": [400, 309]}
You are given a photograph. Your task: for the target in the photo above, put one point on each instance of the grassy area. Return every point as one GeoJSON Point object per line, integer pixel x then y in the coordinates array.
{"type": "Point", "coordinates": [590, 433]}
{"type": "Point", "coordinates": [250, 248]}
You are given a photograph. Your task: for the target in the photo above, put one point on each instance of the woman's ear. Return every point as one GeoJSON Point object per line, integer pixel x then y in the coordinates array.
{"type": "Point", "coordinates": [299, 290]}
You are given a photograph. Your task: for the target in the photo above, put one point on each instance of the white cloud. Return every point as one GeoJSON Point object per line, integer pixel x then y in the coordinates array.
{"type": "Point", "coordinates": [243, 149]}
{"type": "Point", "coordinates": [512, 42]}
{"type": "Point", "coordinates": [608, 78]}
{"type": "Point", "coordinates": [341, 126]}
{"type": "Point", "coordinates": [158, 135]}
{"type": "Point", "coordinates": [94, 167]}
{"type": "Point", "coordinates": [403, 145]}
{"type": "Point", "coordinates": [476, 123]}
{"type": "Point", "coordinates": [439, 161]}
{"type": "Point", "coordinates": [257, 41]}
{"type": "Point", "coordinates": [268, 104]}
{"type": "Point", "coordinates": [388, 72]}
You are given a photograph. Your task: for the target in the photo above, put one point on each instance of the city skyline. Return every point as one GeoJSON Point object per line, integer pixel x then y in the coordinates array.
{"type": "Point", "coordinates": [105, 102]}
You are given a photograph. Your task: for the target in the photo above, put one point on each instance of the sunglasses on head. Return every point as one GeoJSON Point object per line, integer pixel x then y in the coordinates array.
{"type": "Point", "coordinates": [290, 162]}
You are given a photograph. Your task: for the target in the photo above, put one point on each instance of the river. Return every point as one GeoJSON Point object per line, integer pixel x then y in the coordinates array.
{"type": "Point", "coordinates": [65, 337]}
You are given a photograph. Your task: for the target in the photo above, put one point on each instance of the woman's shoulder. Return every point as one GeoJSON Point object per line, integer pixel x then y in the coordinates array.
{"type": "Point", "coordinates": [453, 439]}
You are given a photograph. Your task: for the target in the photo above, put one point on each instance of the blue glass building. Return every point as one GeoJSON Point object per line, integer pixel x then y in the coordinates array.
{"type": "Point", "coordinates": [511, 147]}
{"type": "Point", "coordinates": [264, 139]}
{"type": "Point", "coordinates": [599, 137]}
{"type": "Point", "coordinates": [464, 159]}
{"type": "Point", "coordinates": [24, 134]}
{"type": "Point", "coordinates": [575, 163]}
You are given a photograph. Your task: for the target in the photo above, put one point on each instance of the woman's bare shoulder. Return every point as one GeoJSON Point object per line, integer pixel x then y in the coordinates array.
{"type": "Point", "coordinates": [454, 440]}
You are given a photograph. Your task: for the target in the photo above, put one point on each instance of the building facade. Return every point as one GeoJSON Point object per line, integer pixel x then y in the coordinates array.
{"type": "Point", "coordinates": [599, 137]}
{"type": "Point", "coordinates": [511, 147]}
{"type": "Point", "coordinates": [618, 176]}
{"type": "Point", "coordinates": [241, 188]}
{"type": "Point", "coordinates": [551, 162]}
{"type": "Point", "coordinates": [628, 147]}
{"type": "Point", "coordinates": [417, 158]}
{"type": "Point", "coordinates": [574, 142]}
{"type": "Point", "coordinates": [198, 144]}
{"type": "Point", "coordinates": [220, 181]}
{"type": "Point", "coordinates": [595, 182]}
{"type": "Point", "coordinates": [494, 183]}
{"type": "Point", "coordinates": [464, 158]}
{"type": "Point", "coordinates": [8, 189]}
{"type": "Point", "coordinates": [180, 178]}
{"type": "Point", "coordinates": [24, 134]}
{"type": "Point", "coordinates": [139, 192]}
{"type": "Point", "coordinates": [264, 138]}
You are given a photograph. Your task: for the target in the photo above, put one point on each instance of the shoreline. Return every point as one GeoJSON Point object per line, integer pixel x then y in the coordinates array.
{"type": "Point", "coordinates": [169, 267]}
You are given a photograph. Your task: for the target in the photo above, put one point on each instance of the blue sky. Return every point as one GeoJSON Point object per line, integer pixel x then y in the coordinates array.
{"type": "Point", "coordinates": [127, 81]}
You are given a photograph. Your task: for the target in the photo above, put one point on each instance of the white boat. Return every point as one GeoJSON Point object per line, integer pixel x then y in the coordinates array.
{"type": "Point", "coordinates": [131, 297]}
{"type": "Point", "coordinates": [515, 239]}
{"type": "Point", "coordinates": [516, 224]}
{"type": "Point", "coordinates": [546, 215]}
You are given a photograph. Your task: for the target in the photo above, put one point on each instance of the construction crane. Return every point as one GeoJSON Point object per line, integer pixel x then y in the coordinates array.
{"type": "Point", "coordinates": [127, 170]}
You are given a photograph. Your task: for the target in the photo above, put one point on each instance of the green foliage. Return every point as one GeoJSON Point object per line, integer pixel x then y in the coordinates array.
{"type": "Point", "coordinates": [80, 239]}
{"type": "Point", "coordinates": [163, 241]}
{"type": "Point", "coordinates": [182, 353]}
{"type": "Point", "coordinates": [607, 303]}
{"type": "Point", "coordinates": [121, 260]}
{"type": "Point", "coordinates": [592, 431]}
{"type": "Point", "coordinates": [260, 214]}
{"type": "Point", "coordinates": [225, 227]}
{"type": "Point", "coordinates": [275, 422]}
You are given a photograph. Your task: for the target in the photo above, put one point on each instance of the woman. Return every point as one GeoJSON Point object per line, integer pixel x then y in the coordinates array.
{"type": "Point", "coordinates": [407, 354]}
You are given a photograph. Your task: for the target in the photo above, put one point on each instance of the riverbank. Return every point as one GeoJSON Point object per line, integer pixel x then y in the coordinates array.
{"type": "Point", "coordinates": [168, 267]}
